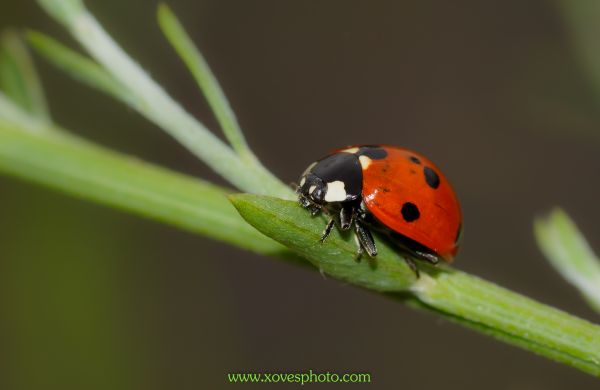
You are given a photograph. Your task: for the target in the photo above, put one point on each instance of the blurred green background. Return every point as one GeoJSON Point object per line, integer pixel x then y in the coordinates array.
{"type": "Point", "coordinates": [494, 92]}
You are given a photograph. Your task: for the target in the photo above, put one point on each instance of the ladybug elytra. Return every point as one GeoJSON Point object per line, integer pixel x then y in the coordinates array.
{"type": "Point", "coordinates": [390, 189]}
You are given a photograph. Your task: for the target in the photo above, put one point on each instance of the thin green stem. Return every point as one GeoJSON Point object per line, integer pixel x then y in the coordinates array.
{"type": "Point", "coordinates": [156, 105]}
{"type": "Point", "coordinates": [206, 80]}
{"type": "Point", "coordinates": [11, 113]}
{"type": "Point", "coordinates": [18, 77]}
{"type": "Point", "coordinates": [532, 325]}
{"type": "Point", "coordinates": [79, 67]}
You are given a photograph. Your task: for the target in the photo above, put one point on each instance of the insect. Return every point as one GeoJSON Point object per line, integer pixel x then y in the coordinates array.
{"type": "Point", "coordinates": [389, 189]}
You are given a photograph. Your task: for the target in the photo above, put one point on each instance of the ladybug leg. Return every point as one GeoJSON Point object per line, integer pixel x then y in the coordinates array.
{"type": "Point", "coordinates": [433, 259]}
{"type": "Point", "coordinates": [412, 265]}
{"type": "Point", "coordinates": [307, 204]}
{"type": "Point", "coordinates": [304, 202]}
{"type": "Point", "coordinates": [314, 209]}
{"type": "Point", "coordinates": [346, 217]}
{"type": "Point", "coordinates": [327, 230]}
{"type": "Point", "coordinates": [360, 250]}
{"type": "Point", "coordinates": [365, 239]}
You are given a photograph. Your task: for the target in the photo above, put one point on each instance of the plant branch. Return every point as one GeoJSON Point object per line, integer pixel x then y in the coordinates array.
{"type": "Point", "coordinates": [156, 105]}
{"type": "Point", "coordinates": [206, 80]}
{"type": "Point", "coordinates": [460, 297]}
{"type": "Point", "coordinates": [80, 67]}
{"type": "Point", "coordinates": [19, 79]}
{"type": "Point", "coordinates": [72, 165]}
{"type": "Point", "coordinates": [11, 113]}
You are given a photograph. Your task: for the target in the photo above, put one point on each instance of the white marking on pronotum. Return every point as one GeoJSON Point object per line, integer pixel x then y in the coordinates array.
{"type": "Point", "coordinates": [350, 150]}
{"type": "Point", "coordinates": [302, 181]}
{"type": "Point", "coordinates": [311, 189]}
{"type": "Point", "coordinates": [364, 162]}
{"type": "Point", "coordinates": [336, 191]}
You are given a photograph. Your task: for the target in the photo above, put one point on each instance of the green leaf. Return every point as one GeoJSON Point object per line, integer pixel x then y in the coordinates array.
{"type": "Point", "coordinates": [19, 79]}
{"type": "Point", "coordinates": [289, 224]}
{"type": "Point", "coordinates": [206, 80]}
{"type": "Point", "coordinates": [462, 298]}
{"type": "Point", "coordinates": [570, 254]}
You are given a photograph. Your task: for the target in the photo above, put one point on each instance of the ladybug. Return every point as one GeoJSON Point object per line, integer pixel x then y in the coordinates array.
{"type": "Point", "coordinates": [389, 189]}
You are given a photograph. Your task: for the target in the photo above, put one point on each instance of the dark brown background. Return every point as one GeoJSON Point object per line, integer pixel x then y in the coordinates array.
{"type": "Point", "coordinates": [491, 91]}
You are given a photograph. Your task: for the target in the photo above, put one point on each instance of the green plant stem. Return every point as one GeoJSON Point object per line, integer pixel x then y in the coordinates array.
{"type": "Point", "coordinates": [514, 318]}
{"type": "Point", "coordinates": [80, 67]}
{"type": "Point", "coordinates": [465, 299]}
{"type": "Point", "coordinates": [206, 80]}
{"type": "Point", "coordinates": [70, 164]}
{"type": "Point", "coordinates": [18, 77]}
{"type": "Point", "coordinates": [156, 105]}
{"type": "Point", "coordinates": [11, 113]}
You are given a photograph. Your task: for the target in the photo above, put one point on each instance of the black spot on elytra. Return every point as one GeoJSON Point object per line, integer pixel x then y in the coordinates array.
{"type": "Point", "coordinates": [415, 159]}
{"type": "Point", "coordinates": [410, 212]}
{"type": "Point", "coordinates": [373, 152]}
{"type": "Point", "coordinates": [412, 171]}
{"type": "Point", "coordinates": [384, 189]}
{"type": "Point", "coordinates": [432, 178]}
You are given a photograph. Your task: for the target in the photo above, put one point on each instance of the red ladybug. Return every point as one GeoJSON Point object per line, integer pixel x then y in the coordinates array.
{"type": "Point", "coordinates": [390, 189]}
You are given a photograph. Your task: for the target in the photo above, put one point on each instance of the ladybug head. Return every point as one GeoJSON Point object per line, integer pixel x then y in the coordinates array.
{"type": "Point", "coordinates": [312, 189]}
